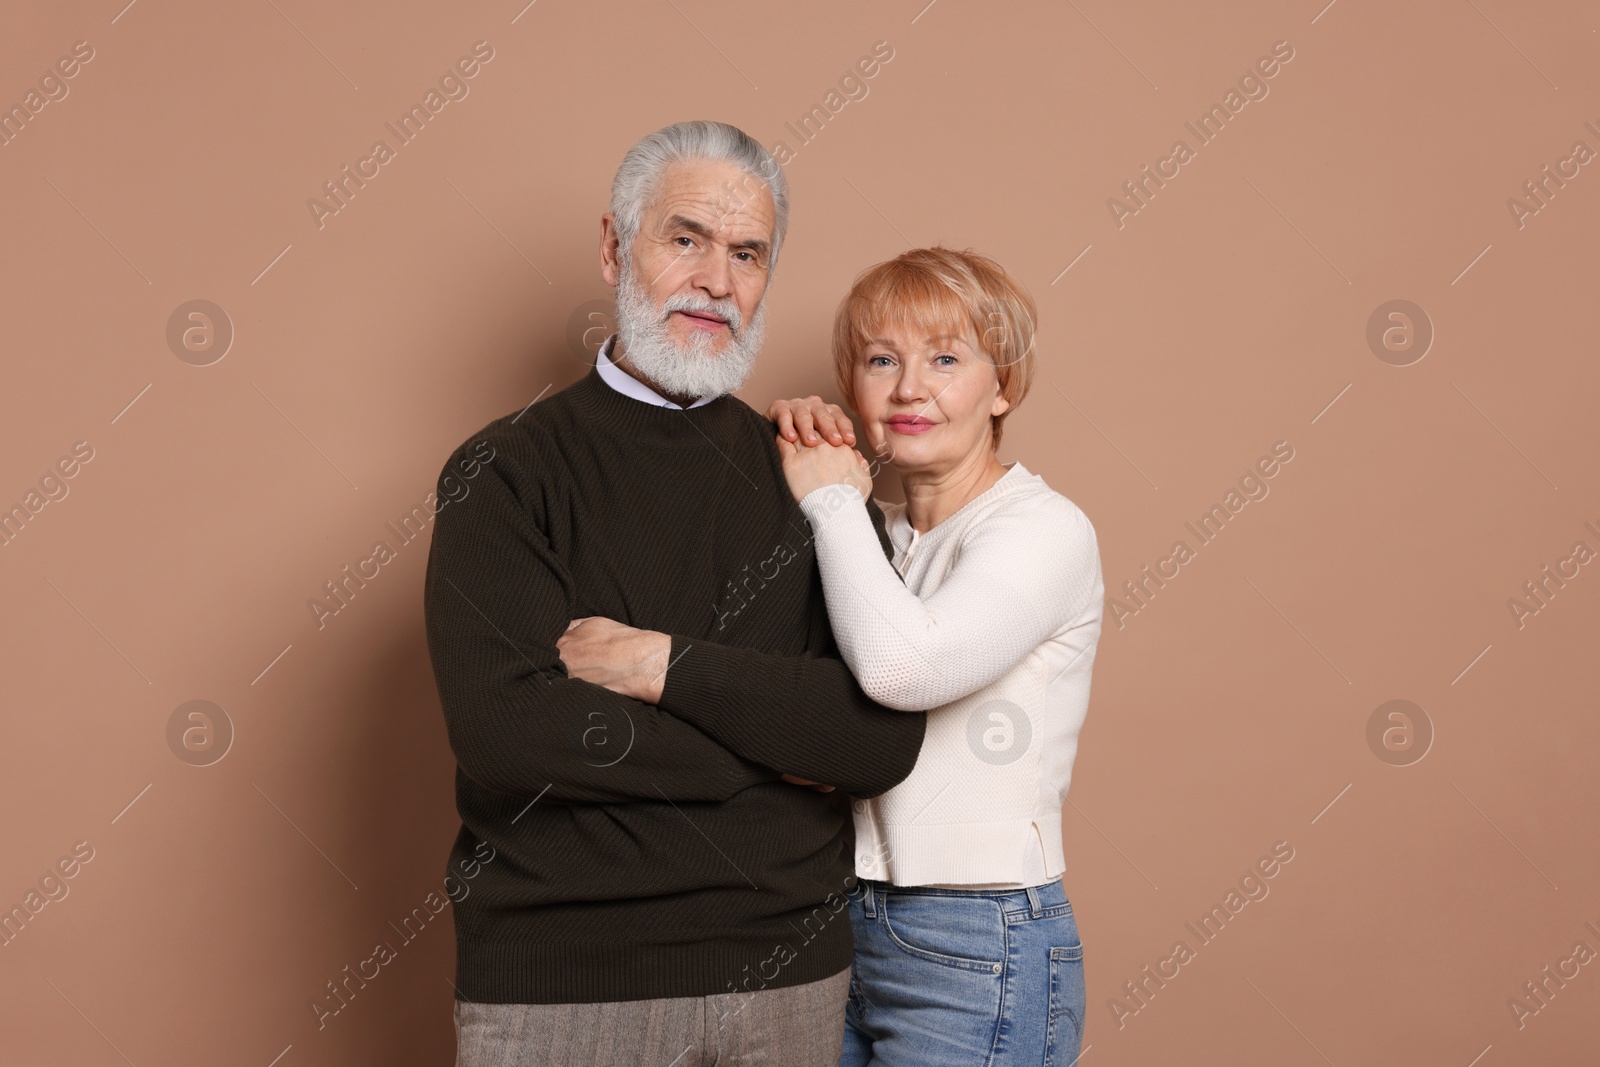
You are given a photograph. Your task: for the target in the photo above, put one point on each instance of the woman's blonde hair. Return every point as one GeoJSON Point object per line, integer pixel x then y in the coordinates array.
{"type": "Point", "coordinates": [940, 291]}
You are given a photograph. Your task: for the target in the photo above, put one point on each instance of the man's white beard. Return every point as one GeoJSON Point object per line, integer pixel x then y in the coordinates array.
{"type": "Point", "coordinates": [692, 369]}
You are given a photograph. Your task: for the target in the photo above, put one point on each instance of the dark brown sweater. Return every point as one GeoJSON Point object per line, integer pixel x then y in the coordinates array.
{"type": "Point", "coordinates": [645, 851]}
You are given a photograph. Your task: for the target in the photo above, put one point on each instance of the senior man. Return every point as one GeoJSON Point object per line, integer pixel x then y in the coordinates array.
{"type": "Point", "coordinates": [670, 878]}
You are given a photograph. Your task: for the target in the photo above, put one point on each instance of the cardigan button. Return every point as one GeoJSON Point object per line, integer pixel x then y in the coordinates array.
{"type": "Point", "coordinates": [860, 805]}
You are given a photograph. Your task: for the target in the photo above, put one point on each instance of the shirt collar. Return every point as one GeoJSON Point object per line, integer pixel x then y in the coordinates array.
{"type": "Point", "coordinates": [628, 385]}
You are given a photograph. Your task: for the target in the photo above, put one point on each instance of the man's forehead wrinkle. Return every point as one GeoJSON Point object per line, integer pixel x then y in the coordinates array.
{"type": "Point", "coordinates": [709, 205]}
{"type": "Point", "coordinates": [733, 221]}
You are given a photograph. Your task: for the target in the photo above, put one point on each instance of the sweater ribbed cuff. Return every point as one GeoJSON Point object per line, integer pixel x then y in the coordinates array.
{"type": "Point", "coordinates": [825, 501]}
{"type": "Point", "coordinates": [692, 689]}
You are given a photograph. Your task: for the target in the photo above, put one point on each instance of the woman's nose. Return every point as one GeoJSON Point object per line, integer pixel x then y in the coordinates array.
{"type": "Point", "coordinates": [908, 387]}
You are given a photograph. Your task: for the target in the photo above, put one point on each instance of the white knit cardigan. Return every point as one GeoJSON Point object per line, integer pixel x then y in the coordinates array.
{"type": "Point", "coordinates": [993, 632]}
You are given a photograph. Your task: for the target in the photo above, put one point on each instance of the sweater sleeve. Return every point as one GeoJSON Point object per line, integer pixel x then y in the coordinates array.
{"type": "Point", "coordinates": [496, 600]}
{"type": "Point", "coordinates": [1020, 575]}
{"type": "Point", "coordinates": [803, 715]}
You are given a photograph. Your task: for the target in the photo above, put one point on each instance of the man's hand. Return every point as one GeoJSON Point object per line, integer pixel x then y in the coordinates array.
{"type": "Point", "coordinates": [625, 660]}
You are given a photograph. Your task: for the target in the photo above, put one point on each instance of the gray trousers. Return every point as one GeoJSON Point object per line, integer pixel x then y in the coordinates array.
{"type": "Point", "coordinates": [795, 1026]}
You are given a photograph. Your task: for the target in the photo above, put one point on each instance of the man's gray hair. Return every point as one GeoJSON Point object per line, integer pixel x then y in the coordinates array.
{"type": "Point", "coordinates": [634, 187]}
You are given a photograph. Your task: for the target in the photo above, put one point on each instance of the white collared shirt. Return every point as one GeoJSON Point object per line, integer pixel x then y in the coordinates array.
{"type": "Point", "coordinates": [627, 384]}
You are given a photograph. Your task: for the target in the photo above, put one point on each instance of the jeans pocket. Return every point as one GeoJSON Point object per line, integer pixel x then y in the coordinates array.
{"type": "Point", "coordinates": [1067, 1004]}
{"type": "Point", "coordinates": [965, 933]}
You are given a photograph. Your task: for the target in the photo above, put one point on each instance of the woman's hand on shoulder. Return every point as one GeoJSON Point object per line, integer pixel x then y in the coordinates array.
{"type": "Point", "coordinates": [809, 469]}
{"type": "Point", "coordinates": [810, 421]}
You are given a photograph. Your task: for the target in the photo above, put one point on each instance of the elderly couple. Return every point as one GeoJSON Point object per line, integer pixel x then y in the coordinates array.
{"type": "Point", "coordinates": [773, 773]}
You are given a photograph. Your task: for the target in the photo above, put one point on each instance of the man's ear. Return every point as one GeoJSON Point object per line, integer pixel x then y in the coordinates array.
{"type": "Point", "coordinates": [610, 257]}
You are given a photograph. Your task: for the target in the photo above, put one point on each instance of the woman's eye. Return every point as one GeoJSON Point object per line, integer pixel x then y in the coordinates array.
{"type": "Point", "coordinates": [873, 361]}
{"type": "Point", "coordinates": [944, 356]}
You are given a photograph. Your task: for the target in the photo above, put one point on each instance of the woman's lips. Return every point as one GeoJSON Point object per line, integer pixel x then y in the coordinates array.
{"type": "Point", "coordinates": [910, 424]}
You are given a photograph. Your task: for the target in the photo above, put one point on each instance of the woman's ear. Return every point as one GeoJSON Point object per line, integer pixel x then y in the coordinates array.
{"type": "Point", "coordinates": [1001, 405]}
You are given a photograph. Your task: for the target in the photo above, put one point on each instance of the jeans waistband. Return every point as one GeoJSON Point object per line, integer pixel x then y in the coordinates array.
{"type": "Point", "coordinates": [1030, 900]}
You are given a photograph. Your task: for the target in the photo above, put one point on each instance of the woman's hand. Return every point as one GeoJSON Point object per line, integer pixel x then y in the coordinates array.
{"type": "Point", "coordinates": [807, 469]}
{"type": "Point", "coordinates": [625, 660]}
{"type": "Point", "coordinates": [810, 421]}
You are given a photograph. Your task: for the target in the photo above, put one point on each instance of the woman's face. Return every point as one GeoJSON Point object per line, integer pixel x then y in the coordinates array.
{"type": "Point", "coordinates": [925, 402]}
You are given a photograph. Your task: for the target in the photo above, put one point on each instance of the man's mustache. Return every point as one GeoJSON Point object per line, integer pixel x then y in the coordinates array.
{"type": "Point", "coordinates": [726, 310]}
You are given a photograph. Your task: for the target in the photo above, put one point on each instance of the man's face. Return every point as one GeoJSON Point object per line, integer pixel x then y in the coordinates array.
{"type": "Point", "coordinates": [706, 239]}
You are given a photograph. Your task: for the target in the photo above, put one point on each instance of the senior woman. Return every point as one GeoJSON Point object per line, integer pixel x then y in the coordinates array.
{"type": "Point", "coordinates": [967, 951]}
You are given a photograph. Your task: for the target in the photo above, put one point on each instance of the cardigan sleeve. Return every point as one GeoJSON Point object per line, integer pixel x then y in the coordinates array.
{"type": "Point", "coordinates": [1021, 574]}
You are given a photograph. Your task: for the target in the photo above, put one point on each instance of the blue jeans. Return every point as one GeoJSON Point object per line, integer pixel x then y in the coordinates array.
{"type": "Point", "coordinates": [963, 978]}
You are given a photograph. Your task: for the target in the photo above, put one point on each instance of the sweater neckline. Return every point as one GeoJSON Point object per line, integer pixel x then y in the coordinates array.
{"type": "Point", "coordinates": [1015, 472]}
{"type": "Point", "coordinates": [620, 413]}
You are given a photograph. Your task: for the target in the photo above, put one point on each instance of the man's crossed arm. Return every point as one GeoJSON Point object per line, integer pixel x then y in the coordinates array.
{"type": "Point", "coordinates": [498, 607]}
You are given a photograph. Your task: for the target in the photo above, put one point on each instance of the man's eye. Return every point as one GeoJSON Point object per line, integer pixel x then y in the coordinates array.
{"type": "Point", "coordinates": [687, 241]}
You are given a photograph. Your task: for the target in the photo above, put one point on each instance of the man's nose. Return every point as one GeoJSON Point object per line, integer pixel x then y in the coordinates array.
{"type": "Point", "coordinates": [714, 276]}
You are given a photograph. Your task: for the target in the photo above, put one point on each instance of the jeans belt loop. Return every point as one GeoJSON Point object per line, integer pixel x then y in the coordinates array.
{"type": "Point", "coordinates": [869, 899]}
{"type": "Point", "coordinates": [1033, 902]}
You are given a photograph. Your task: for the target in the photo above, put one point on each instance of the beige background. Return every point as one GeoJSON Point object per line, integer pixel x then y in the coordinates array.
{"type": "Point", "coordinates": [1228, 314]}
